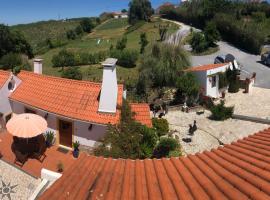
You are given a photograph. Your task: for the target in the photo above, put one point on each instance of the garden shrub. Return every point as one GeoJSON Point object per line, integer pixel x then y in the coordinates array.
{"type": "Point", "coordinates": [166, 147]}
{"type": "Point", "coordinates": [161, 126]}
{"type": "Point", "coordinates": [126, 58]}
{"type": "Point", "coordinates": [220, 112]}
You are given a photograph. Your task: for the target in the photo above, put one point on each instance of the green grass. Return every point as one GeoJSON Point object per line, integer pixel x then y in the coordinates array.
{"type": "Point", "coordinates": [108, 33]}
{"type": "Point", "coordinates": [37, 33]}
{"type": "Point", "coordinates": [209, 51]}
{"type": "Point", "coordinates": [113, 24]}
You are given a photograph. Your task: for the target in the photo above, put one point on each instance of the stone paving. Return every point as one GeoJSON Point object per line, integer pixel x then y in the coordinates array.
{"type": "Point", "coordinates": [15, 184]}
{"type": "Point", "coordinates": [210, 134]}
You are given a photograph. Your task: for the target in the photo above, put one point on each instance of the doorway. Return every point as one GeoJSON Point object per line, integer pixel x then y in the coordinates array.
{"type": "Point", "coordinates": [65, 133]}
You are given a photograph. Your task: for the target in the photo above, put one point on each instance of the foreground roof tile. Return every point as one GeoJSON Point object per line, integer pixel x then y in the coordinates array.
{"type": "Point", "coordinates": [4, 75]}
{"type": "Point", "coordinates": [65, 97]}
{"type": "Point", "coordinates": [231, 172]}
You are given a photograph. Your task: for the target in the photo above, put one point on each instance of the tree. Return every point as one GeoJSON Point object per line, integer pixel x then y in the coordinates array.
{"type": "Point", "coordinates": [126, 58]}
{"type": "Point", "coordinates": [211, 33]}
{"type": "Point", "coordinates": [87, 25]}
{"type": "Point", "coordinates": [143, 42]}
{"type": "Point", "coordinates": [79, 30]}
{"type": "Point", "coordinates": [71, 35]}
{"type": "Point", "coordinates": [198, 42]}
{"type": "Point", "coordinates": [161, 126]}
{"type": "Point", "coordinates": [128, 139]}
{"type": "Point", "coordinates": [187, 87]}
{"type": "Point", "coordinates": [11, 60]}
{"type": "Point", "coordinates": [72, 73]}
{"type": "Point", "coordinates": [63, 59]}
{"type": "Point", "coordinates": [220, 112]}
{"type": "Point", "coordinates": [121, 44]}
{"type": "Point", "coordinates": [163, 29]}
{"type": "Point", "coordinates": [124, 11]}
{"type": "Point", "coordinates": [165, 147]}
{"type": "Point", "coordinates": [161, 63]}
{"type": "Point", "coordinates": [13, 42]}
{"type": "Point", "coordinates": [139, 10]}
{"type": "Point", "coordinates": [232, 77]}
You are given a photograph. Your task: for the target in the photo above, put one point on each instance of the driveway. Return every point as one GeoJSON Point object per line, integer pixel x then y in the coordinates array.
{"type": "Point", "coordinates": [249, 62]}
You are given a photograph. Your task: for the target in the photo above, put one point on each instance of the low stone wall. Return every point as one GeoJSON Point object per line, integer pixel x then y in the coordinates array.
{"type": "Point", "coordinates": [251, 119]}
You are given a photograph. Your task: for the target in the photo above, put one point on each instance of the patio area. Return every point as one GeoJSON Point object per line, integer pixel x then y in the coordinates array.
{"type": "Point", "coordinates": [54, 155]}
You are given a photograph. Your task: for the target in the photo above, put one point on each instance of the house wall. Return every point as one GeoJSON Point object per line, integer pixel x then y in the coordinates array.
{"type": "Point", "coordinates": [81, 133]}
{"type": "Point", "coordinates": [5, 107]}
{"type": "Point", "coordinates": [215, 92]}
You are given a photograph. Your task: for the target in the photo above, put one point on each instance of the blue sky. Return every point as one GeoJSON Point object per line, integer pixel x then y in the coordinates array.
{"type": "Point", "coordinates": [25, 11]}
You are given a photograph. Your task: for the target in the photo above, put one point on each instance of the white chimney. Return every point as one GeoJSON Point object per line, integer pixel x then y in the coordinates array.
{"type": "Point", "coordinates": [109, 89]}
{"type": "Point", "coordinates": [38, 66]}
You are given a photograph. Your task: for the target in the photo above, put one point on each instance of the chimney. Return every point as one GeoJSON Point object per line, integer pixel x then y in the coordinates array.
{"type": "Point", "coordinates": [38, 66]}
{"type": "Point", "coordinates": [109, 89]}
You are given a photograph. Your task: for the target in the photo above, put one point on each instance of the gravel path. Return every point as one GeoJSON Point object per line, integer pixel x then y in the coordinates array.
{"type": "Point", "coordinates": [210, 133]}
{"type": "Point", "coordinates": [15, 184]}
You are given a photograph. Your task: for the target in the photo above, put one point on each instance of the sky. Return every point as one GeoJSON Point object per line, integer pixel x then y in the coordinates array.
{"type": "Point", "coordinates": [25, 11]}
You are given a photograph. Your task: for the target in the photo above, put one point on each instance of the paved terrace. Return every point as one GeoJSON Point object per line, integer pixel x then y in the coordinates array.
{"type": "Point", "coordinates": [33, 166]}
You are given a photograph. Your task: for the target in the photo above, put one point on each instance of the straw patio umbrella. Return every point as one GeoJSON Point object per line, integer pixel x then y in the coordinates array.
{"type": "Point", "coordinates": [26, 125]}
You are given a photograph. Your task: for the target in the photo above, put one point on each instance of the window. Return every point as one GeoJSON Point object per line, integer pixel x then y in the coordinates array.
{"type": "Point", "coordinates": [213, 81]}
{"type": "Point", "coordinates": [11, 85]}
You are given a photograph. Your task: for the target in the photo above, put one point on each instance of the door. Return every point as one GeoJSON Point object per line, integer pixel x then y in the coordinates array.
{"type": "Point", "coordinates": [65, 133]}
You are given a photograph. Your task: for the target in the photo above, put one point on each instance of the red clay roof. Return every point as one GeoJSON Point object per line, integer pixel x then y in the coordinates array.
{"type": "Point", "coordinates": [206, 67]}
{"type": "Point", "coordinates": [4, 75]}
{"type": "Point", "coordinates": [66, 97]}
{"type": "Point", "coordinates": [237, 171]}
{"type": "Point", "coordinates": [142, 113]}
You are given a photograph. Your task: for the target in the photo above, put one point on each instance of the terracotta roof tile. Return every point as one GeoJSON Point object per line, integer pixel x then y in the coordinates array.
{"type": "Point", "coordinates": [70, 98]}
{"type": "Point", "coordinates": [142, 113]}
{"type": "Point", "coordinates": [4, 75]}
{"type": "Point", "coordinates": [206, 67]}
{"type": "Point", "coordinates": [230, 172]}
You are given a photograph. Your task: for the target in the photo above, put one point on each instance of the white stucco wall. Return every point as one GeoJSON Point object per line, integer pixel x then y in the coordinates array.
{"type": "Point", "coordinates": [5, 107]}
{"type": "Point", "coordinates": [81, 133]}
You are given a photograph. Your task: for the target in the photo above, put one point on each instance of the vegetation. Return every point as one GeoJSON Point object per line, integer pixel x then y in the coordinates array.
{"type": "Point", "coordinates": [187, 88]}
{"type": "Point", "coordinates": [72, 73]}
{"type": "Point", "coordinates": [13, 42]}
{"type": "Point", "coordinates": [246, 25]}
{"type": "Point", "coordinates": [126, 58]}
{"type": "Point", "coordinates": [161, 126]}
{"type": "Point", "coordinates": [129, 139]}
{"type": "Point", "coordinates": [223, 80]}
{"type": "Point", "coordinates": [167, 147]}
{"type": "Point", "coordinates": [234, 83]}
{"type": "Point", "coordinates": [220, 112]}
{"type": "Point", "coordinates": [160, 65]}
{"type": "Point", "coordinates": [143, 42]}
{"type": "Point", "coordinates": [139, 10]}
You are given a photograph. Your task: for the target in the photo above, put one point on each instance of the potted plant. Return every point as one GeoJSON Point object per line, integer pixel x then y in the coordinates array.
{"type": "Point", "coordinates": [49, 138]}
{"type": "Point", "coordinates": [76, 149]}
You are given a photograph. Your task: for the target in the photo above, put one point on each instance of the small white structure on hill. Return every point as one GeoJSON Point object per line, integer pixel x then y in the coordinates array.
{"type": "Point", "coordinates": [208, 78]}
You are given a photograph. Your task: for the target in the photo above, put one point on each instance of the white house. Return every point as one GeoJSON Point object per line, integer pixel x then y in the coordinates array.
{"type": "Point", "coordinates": [208, 78]}
{"type": "Point", "coordinates": [75, 110]}
{"type": "Point", "coordinates": [120, 15]}
{"type": "Point", "coordinates": [8, 84]}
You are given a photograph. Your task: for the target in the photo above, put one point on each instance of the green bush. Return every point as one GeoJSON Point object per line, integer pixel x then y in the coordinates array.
{"type": "Point", "coordinates": [220, 112]}
{"type": "Point", "coordinates": [72, 73]}
{"type": "Point", "coordinates": [223, 80]}
{"type": "Point", "coordinates": [234, 83]}
{"type": "Point", "coordinates": [161, 126]}
{"type": "Point", "coordinates": [165, 147]}
{"type": "Point", "coordinates": [126, 58]}
{"type": "Point", "coordinates": [198, 43]}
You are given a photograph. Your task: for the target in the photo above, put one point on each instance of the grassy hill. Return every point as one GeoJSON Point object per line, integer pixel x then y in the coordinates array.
{"type": "Point", "coordinates": [107, 33]}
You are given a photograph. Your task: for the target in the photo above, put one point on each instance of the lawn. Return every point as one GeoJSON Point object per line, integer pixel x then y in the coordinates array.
{"type": "Point", "coordinates": [101, 39]}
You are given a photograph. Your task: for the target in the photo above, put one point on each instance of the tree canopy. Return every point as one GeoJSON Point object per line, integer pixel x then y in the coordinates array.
{"type": "Point", "coordinates": [13, 42]}
{"type": "Point", "coordinates": [140, 10]}
{"type": "Point", "coordinates": [72, 73]}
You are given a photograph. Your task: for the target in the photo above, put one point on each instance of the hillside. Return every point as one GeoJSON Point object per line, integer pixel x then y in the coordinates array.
{"type": "Point", "coordinates": [102, 37]}
{"type": "Point", "coordinates": [37, 33]}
